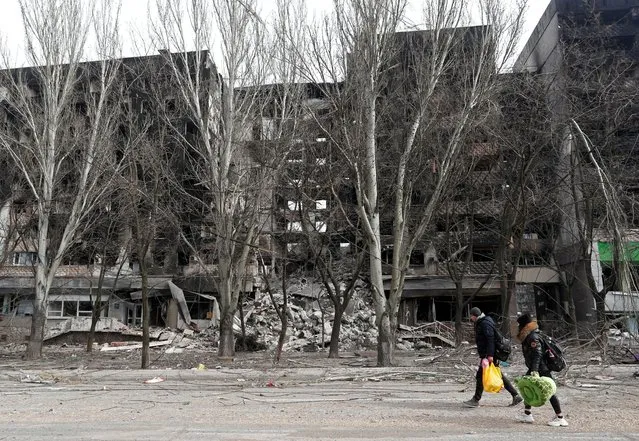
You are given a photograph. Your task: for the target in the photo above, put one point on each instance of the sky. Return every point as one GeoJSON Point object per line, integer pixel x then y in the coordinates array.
{"type": "Point", "coordinates": [134, 17]}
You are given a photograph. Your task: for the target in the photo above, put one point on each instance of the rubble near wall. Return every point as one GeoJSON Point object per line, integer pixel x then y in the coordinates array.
{"type": "Point", "coordinates": [310, 325]}
{"type": "Point", "coordinates": [14, 329]}
{"type": "Point", "coordinates": [310, 328]}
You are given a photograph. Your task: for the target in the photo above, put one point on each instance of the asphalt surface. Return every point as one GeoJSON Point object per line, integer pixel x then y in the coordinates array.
{"type": "Point", "coordinates": [298, 404]}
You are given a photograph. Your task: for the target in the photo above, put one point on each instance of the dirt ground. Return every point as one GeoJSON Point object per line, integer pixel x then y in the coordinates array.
{"type": "Point", "coordinates": [70, 394]}
{"type": "Point", "coordinates": [455, 362]}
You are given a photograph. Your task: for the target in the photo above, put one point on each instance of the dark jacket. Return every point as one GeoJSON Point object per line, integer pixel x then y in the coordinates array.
{"type": "Point", "coordinates": [485, 336]}
{"type": "Point", "coordinates": [532, 348]}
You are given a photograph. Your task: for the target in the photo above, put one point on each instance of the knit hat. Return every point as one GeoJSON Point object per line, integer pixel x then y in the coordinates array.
{"type": "Point", "coordinates": [475, 311]}
{"type": "Point", "coordinates": [523, 320]}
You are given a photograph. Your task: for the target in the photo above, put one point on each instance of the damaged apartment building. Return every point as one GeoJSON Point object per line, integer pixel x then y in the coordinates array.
{"type": "Point", "coordinates": [481, 246]}
{"type": "Point", "coordinates": [315, 201]}
{"type": "Point", "coordinates": [182, 289]}
{"type": "Point", "coordinates": [467, 255]}
{"type": "Point", "coordinates": [586, 55]}
{"type": "Point", "coordinates": [569, 261]}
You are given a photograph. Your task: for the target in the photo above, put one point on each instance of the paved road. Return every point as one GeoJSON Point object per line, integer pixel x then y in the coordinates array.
{"type": "Point", "coordinates": [237, 404]}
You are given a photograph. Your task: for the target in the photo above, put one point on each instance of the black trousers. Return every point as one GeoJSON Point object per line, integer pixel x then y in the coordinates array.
{"type": "Point", "coordinates": [479, 384]}
{"type": "Point", "coordinates": [554, 401]}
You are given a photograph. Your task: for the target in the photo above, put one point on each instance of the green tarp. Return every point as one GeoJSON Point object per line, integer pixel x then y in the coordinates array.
{"type": "Point", "coordinates": [630, 254]}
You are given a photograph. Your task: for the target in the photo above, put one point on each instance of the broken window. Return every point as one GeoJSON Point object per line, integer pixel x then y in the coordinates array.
{"type": "Point", "coordinates": [321, 204]}
{"type": "Point", "coordinates": [25, 258]}
{"type": "Point", "coordinates": [54, 309]}
{"type": "Point", "coordinates": [200, 308]}
{"type": "Point", "coordinates": [320, 226]}
{"type": "Point", "coordinates": [295, 226]}
{"type": "Point", "coordinates": [134, 316]}
{"type": "Point", "coordinates": [85, 309]}
{"type": "Point", "coordinates": [293, 247]}
{"type": "Point", "coordinates": [70, 308]}
{"type": "Point", "coordinates": [417, 258]}
{"type": "Point", "coordinates": [387, 256]}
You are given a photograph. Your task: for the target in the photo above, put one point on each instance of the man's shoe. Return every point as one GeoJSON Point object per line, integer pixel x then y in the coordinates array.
{"type": "Point", "coordinates": [558, 422]}
{"type": "Point", "coordinates": [516, 400]}
{"type": "Point", "coordinates": [471, 403]}
{"type": "Point", "coordinates": [525, 418]}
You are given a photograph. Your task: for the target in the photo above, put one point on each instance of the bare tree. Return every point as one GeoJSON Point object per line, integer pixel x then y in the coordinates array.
{"type": "Point", "coordinates": [105, 246]}
{"type": "Point", "coordinates": [415, 71]}
{"type": "Point", "coordinates": [282, 310]}
{"type": "Point", "coordinates": [322, 222]}
{"type": "Point", "coordinates": [221, 110]}
{"type": "Point", "coordinates": [62, 125]}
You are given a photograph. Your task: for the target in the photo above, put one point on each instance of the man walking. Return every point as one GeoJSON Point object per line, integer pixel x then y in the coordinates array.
{"type": "Point", "coordinates": [485, 340]}
{"type": "Point", "coordinates": [531, 346]}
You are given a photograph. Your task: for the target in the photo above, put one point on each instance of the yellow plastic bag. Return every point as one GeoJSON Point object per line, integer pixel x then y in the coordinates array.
{"type": "Point", "coordinates": [491, 378]}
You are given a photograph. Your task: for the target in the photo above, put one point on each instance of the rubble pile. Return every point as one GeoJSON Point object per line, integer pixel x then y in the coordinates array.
{"type": "Point", "coordinates": [310, 327]}
{"type": "Point", "coordinates": [311, 320]}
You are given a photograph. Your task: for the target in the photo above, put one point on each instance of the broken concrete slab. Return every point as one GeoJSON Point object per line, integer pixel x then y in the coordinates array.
{"type": "Point", "coordinates": [83, 324]}
{"type": "Point", "coordinates": [152, 344]}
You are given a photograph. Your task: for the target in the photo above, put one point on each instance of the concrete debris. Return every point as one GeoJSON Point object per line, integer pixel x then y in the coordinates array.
{"type": "Point", "coordinates": [171, 335]}
{"type": "Point", "coordinates": [588, 385]}
{"type": "Point", "coordinates": [603, 378]}
{"type": "Point", "coordinates": [426, 336]}
{"type": "Point", "coordinates": [310, 324]}
{"type": "Point", "coordinates": [310, 329]}
{"type": "Point", "coordinates": [83, 324]}
{"type": "Point", "coordinates": [152, 344]}
{"type": "Point", "coordinates": [154, 380]}
{"type": "Point", "coordinates": [38, 379]}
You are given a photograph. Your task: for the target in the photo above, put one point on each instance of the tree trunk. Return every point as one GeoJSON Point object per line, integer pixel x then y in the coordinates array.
{"type": "Point", "coordinates": [282, 336]}
{"type": "Point", "coordinates": [226, 346]}
{"type": "Point", "coordinates": [96, 308]}
{"type": "Point", "coordinates": [333, 351]}
{"type": "Point", "coordinates": [42, 283]}
{"type": "Point", "coordinates": [95, 316]}
{"type": "Point", "coordinates": [146, 315]}
{"type": "Point", "coordinates": [508, 297]}
{"type": "Point", "coordinates": [385, 342]}
{"type": "Point", "coordinates": [38, 321]}
{"type": "Point", "coordinates": [459, 314]}
{"type": "Point", "coordinates": [240, 308]}
{"type": "Point", "coordinates": [39, 318]}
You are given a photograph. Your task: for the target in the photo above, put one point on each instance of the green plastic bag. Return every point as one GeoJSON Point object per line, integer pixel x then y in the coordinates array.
{"type": "Point", "coordinates": [491, 379]}
{"type": "Point", "coordinates": [536, 391]}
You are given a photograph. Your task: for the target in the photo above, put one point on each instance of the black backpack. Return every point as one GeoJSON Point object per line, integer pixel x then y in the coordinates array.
{"type": "Point", "coordinates": [503, 346]}
{"type": "Point", "coordinates": [553, 354]}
